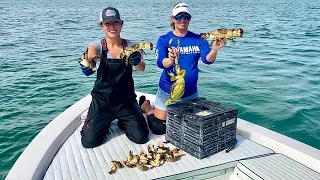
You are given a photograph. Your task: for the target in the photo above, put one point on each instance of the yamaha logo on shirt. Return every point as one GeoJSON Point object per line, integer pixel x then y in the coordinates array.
{"type": "Point", "coordinates": [189, 50]}
{"type": "Point", "coordinates": [110, 12]}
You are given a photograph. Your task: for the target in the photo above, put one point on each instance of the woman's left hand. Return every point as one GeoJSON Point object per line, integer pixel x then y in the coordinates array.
{"type": "Point", "coordinates": [135, 58]}
{"type": "Point", "coordinates": [219, 44]}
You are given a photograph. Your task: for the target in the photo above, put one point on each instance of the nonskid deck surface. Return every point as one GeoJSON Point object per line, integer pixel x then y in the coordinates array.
{"type": "Point", "coordinates": [75, 162]}
{"type": "Point", "coordinates": [276, 166]}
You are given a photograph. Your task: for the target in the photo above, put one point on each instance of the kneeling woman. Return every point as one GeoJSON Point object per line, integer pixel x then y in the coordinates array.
{"type": "Point", "coordinates": [113, 94]}
{"type": "Point", "coordinates": [191, 49]}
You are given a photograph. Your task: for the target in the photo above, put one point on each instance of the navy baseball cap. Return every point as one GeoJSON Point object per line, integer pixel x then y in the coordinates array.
{"type": "Point", "coordinates": [110, 14]}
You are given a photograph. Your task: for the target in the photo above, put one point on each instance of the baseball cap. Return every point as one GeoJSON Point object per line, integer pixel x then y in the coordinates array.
{"type": "Point", "coordinates": [180, 7]}
{"type": "Point", "coordinates": [110, 14]}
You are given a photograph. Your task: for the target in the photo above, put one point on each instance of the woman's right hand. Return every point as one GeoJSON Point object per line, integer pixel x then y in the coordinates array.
{"type": "Point", "coordinates": [172, 53]}
{"type": "Point", "coordinates": [169, 61]}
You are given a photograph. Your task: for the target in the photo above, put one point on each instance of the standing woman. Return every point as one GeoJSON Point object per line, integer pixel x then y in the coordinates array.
{"type": "Point", "coordinates": [113, 94]}
{"type": "Point", "coordinates": [191, 49]}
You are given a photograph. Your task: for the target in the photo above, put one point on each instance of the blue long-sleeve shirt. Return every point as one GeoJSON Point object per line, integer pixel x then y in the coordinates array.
{"type": "Point", "coordinates": [192, 47]}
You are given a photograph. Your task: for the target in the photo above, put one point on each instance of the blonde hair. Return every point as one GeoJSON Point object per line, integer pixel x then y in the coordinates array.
{"type": "Point", "coordinates": [172, 25]}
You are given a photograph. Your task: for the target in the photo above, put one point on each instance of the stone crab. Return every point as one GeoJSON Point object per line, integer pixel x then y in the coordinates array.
{"type": "Point", "coordinates": [89, 62]}
{"type": "Point", "coordinates": [223, 33]}
{"type": "Point", "coordinates": [114, 166]}
{"type": "Point", "coordinates": [135, 47]}
{"type": "Point", "coordinates": [177, 88]}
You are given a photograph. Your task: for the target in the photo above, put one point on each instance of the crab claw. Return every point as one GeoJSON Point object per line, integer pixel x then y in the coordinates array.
{"type": "Point", "coordinates": [151, 148]}
{"type": "Point", "coordinates": [241, 32]}
{"type": "Point", "coordinates": [114, 166]}
{"type": "Point", "coordinates": [142, 167]}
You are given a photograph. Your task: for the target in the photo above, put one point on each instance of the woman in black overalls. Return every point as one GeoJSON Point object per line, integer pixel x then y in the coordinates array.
{"type": "Point", "coordinates": [113, 95]}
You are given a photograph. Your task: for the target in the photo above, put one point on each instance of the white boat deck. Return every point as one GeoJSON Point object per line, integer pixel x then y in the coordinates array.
{"type": "Point", "coordinates": [56, 153]}
{"type": "Point", "coordinates": [276, 166]}
{"type": "Point", "coordinates": [251, 159]}
{"type": "Point", "coordinates": [75, 162]}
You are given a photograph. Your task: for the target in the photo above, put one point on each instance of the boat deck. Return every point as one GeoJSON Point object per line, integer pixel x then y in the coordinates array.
{"type": "Point", "coordinates": [75, 162]}
{"type": "Point", "coordinates": [249, 158]}
{"type": "Point", "coordinates": [276, 166]}
{"type": "Point", "coordinates": [56, 153]}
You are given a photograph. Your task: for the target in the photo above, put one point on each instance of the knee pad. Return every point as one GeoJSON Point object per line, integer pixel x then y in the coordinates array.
{"type": "Point", "coordinates": [156, 125]}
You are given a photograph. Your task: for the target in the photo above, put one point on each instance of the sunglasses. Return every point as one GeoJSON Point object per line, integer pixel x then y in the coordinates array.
{"type": "Point", "coordinates": [184, 16]}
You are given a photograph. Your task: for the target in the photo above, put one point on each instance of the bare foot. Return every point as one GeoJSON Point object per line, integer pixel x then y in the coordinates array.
{"type": "Point", "coordinates": [146, 107]}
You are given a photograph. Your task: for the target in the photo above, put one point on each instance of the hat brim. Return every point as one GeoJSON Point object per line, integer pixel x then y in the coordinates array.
{"type": "Point", "coordinates": [180, 10]}
{"type": "Point", "coordinates": [111, 20]}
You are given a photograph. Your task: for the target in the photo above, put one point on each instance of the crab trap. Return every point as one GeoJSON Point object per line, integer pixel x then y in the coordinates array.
{"type": "Point", "coordinates": [201, 127]}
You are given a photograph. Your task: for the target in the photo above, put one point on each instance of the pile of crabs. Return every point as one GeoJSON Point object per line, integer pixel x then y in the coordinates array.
{"type": "Point", "coordinates": [155, 157]}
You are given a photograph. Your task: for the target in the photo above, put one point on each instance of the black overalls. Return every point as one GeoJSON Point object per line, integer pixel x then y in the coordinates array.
{"type": "Point", "coordinates": [113, 97]}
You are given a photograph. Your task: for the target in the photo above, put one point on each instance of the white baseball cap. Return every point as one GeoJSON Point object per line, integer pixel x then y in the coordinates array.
{"type": "Point", "coordinates": [180, 7]}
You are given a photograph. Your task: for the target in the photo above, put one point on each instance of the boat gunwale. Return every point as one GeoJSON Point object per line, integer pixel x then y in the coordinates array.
{"type": "Point", "coordinates": [47, 143]}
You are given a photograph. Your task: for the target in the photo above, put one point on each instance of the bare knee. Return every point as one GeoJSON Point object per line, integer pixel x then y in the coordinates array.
{"type": "Point", "coordinates": [160, 114]}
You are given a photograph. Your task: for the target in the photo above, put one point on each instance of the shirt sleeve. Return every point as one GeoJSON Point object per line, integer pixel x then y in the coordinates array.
{"type": "Point", "coordinates": [161, 52]}
{"type": "Point", "coordinates": [97, 45]}
{"type": "Point", "coordinates": [204, 51]}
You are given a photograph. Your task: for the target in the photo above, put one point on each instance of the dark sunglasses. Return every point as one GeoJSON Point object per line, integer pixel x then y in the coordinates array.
{"type": "Point", "coordinates": [184, 16]}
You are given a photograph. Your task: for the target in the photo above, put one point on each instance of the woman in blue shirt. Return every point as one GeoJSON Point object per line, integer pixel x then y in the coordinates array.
{"type": "Point", "coordinates": [192, 47]}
